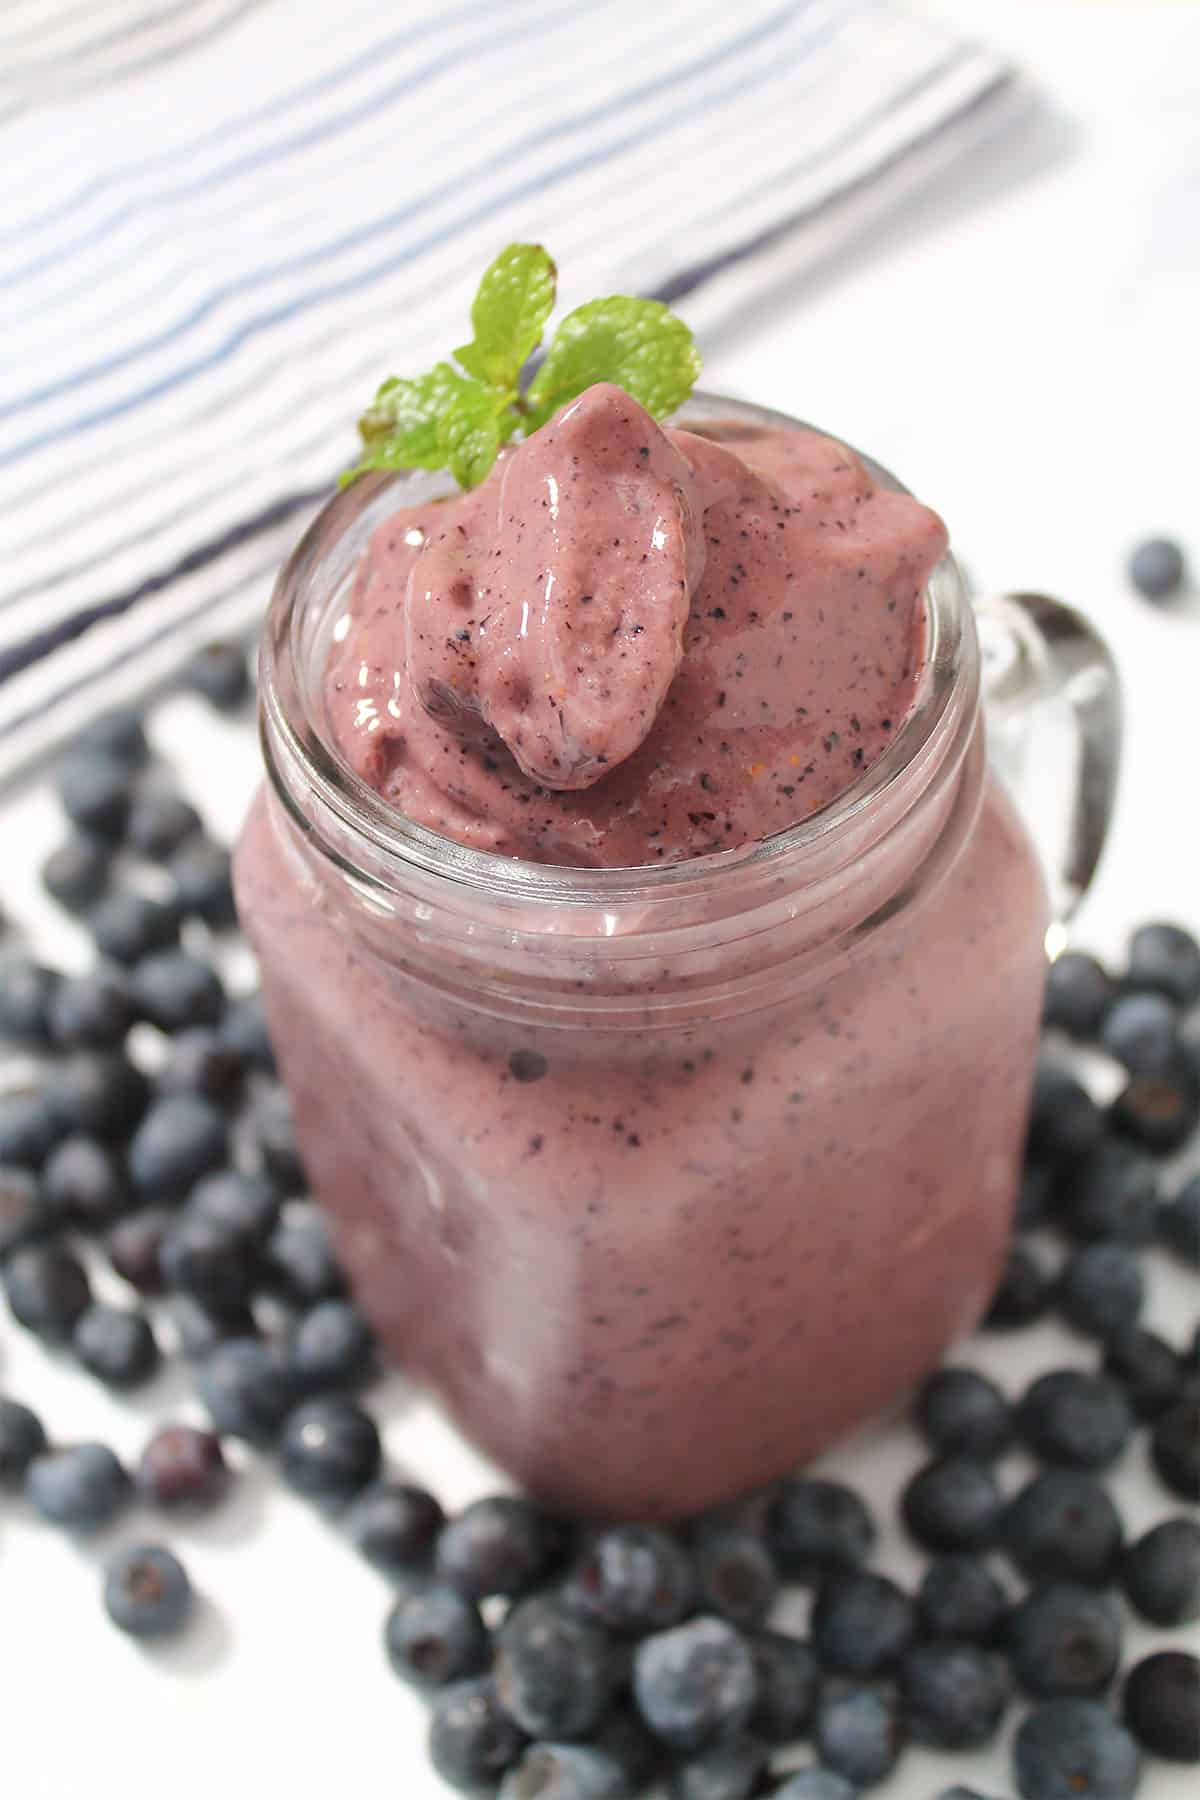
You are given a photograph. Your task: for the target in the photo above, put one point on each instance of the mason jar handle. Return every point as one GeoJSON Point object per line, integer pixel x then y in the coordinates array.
{"type": "Point", "coordinates": [1051, 691]}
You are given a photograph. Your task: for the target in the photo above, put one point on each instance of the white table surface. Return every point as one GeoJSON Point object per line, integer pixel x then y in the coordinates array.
{"type": "Point", "coordinates": [1022, 351]}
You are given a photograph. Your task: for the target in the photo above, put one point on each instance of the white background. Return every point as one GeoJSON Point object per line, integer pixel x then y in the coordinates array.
{"type": "Point", "coordinates": [1021, 349]}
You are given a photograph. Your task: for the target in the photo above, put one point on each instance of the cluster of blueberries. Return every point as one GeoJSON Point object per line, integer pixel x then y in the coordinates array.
{"type": "Point", "coordinates": [585, 1664]}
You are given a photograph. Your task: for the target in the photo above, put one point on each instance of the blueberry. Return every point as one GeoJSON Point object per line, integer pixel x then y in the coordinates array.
{"type": "Point", "coordinates": [622, 1735]}
{"type": "Point", "coordinates": [128, 926]}
{"type": "Point", "coordinates": [555, 1673]}
{"type": "Point", "coordinates": [1064, 1639]}
{"type": "Point", "coordinates": [1064, 1120]}
{"type": "Point", "coordinates": [95, 793]}
{"type": "Point", "coordinates": [200, 1062]}
{"type": "Point", "coordinates": [962, 1413]}
{"type": "Point", "coordinates": [116, 1346]}
{"type": "Point", "coordinates": [786, 1680]}
{"type": "Point", "coordinates": [472, 1741]}
{"type": "Point", "coordinates": [1101, 1290]}
{"type": "Point", "coordinates": [1063, 1526]}
{"type": "Point", "coordinates": [26, 989]}
{"type": "Point", "coordinates": [1139, 1031]}
{"type": "Point", "coordinates": [329, 1449]}
{"type": "Point", "coordinates": [815, 1783]}
{"type": "Point", "coordinates": [1078, 992]}
{"type": "Point", "coordinates": [182, 1466]}
{"type": "Point", "coordinates": [134, 1248]}
{"type": "Point", "coordinates": [1147, 1368]}
{"type": "Point", "coordinates": [118, 734]}
{"type": "Point", "coordinates": [960, 1601]}
{"type": "Point", "coordinates": [631, 1578]}
{"type": "Point", "coordinates": [695, 1684]}
{"type": "Point", "coordinates": [274, 1137]}
{"type": "Point", "coordinates": [815, 1528]}
{"type": "Point", "coordinates": [1187, 1038]}
{"type": "Point", "coordinates": [565, 1772]}
{"type": "Point", "coordinates": [22, 1437]}
{"type": "Point", "coordinates": [1022, 1294]}
{"type": "Point", "coordinates": [99, 1092]}
{"type": "Point", "coordinates": [1074, 1750]}
{"type": "Point", "coordinates": [83, 1183]}
{"type": "Point", "coordinates": [246, 1388]}
{"type": "Point", "coordinates": [175, 990]}
{"type": "Point", "coordinates": [202, 883]}
{"type": "Point", "coordinates": [181, 1138]}
{"type": "Point", "coordinates": [435, 1635]}
{"type": "Point", "coordinates": [394, 1526]}
{"type": "Point", "coordinates": [82, 1487]}
{"type": "Point", "coordinates": [729, 1771]}
{"type": "Point", "coordinates": [1160, 1573]}
{"type": "Point", "coordinates": [1179, 1223]}
{"type": "Point", "coordinates": [92, 1011]}
{"type": "Point", "coordinates": [953, 1503]}
{"type": "Point", "coordinates": [246, 1203]}
{"type": "Point", "coordinates": [1035, 1196]}
{"type": "Point", "coordinates": [1157, 568]}
{"type": "Point", "coordinates": [332, 1346]}
{"type": "Point", "coordinates": [735, 1576]}
{"type": "Point", "coordinates": [954, 1695]}
{"type": "Point", "coordinates": [859, 1732]}
{"type": "Point", "coordinates": [159, 822]}
{"type": "Point", "coordinates": [76, 874]}
{"type": "Point", "coordinates": [501, 1545]}
{"type": "Point", "coordinates": [300, 1261]}
{"type": "Point", "coordinates": [1175, 1447]}
{"type": "Point", "coordinates": [244, 1031]}
{"type": "Point", "coordinates": [1166, 959]}
{"type": "Point", "coordinates": [209, 1258]}
{"type": "Point", "coordinates": [30, 1126]}
{"type": "Point", "coordinates": [147, 1592]}
{"type": "Point", "coordinates": [861, 1624]}
{"type": "Point", "coordinates": [47, 1290]}
{"type": "Point", "coordinates": [1109, 1195]}
{"type": "Point", "coordinates": [1159, 1112]}
{"type": "Point", "coordinates": [1075, 1420]}
{"type": "Point", "coordinates": [23, 1219]}
{"type": "Point", "coordinates": [218, 673]}
{"type": "Point", "coordinates": [200, 1329]}
{"type": "Point", "coordinates": [1161, 1704]}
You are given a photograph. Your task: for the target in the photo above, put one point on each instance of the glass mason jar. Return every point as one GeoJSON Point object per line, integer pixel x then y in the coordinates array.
{"type": "Point", "coordinates": [662, 1178]}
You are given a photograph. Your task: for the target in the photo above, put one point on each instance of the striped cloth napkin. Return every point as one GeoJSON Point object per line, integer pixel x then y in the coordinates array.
{"type": "Point", "coordinates": [223, 222]}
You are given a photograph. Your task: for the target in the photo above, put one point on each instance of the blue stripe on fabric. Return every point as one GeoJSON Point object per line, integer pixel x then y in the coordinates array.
{"type": "Point", "coordinates": [133, 28]}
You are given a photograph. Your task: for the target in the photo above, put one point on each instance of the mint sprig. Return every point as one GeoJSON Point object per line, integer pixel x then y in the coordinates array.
{"type": "Point", "coordinates": [458, 415]}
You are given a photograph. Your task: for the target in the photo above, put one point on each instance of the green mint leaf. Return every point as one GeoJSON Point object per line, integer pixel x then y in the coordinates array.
{"type": "Point", "coordinates": [401, 428]}
{"type": "Point", "coordinates": [638, 344]}
{"type": "Point", "coordinates": [509, 313]}
{"type": "Point", "coordinates": [468, 431]}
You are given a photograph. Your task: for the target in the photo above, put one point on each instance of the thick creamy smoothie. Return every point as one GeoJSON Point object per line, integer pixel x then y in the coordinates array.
{"type": "Point", "coordinates": [660, 1206]}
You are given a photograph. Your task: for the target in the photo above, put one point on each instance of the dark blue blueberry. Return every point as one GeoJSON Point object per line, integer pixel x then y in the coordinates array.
{"type": "Point", "coordinates": [247, 1389]}
{"type": "Point", "coordinates": [1101, 1290]}
{"type": "Point", "coordinates": [632, 1578]}
{"type": "Point", "coordinates": [954, 1695]}
{"type": "Point", "coordinates": [816, 1527]}
{"type": "Point", "coordinates": [435, 1635]}
{"type": "Point", "coordinates": [118, 1347]}
{"type": "Point", "coordinates": [1074, 1750]}
{"type": "Point", "coordinates": [1159, 1112]}
{"type": "Point", "coordinates": [1179, 1223]}
{"type": "Point", "coordinates": [76, 874]}
{"type": "Point", "coordinates": [1157, 568]}
{"type": "Point", "coordinates": [176, 990]}
{"type": "Point", "coordinates": [95, 793]}
{"type": "Point", "coordinates": [861, 1624]}
{"type": "Point", "coordinates": [118, 734]}
{"type": "Point", "coordinates": [1075, 1420]}
{"type": "Point", "coordinates": [953, 1503]}
{"type": "Point", "coordinates": [134, 1248]}
{"type": "Point", "coordinates": [159, 822]}
{"type": "Point", "coordinates": [1175, 1447]}
{"type": "Point", "coordinates": [960, 1601]}
{"type": "Point", "coordinates": [695, 1684]}
{"type": "Point", "coordinates": [786, 1680]}
{"type": "Point", "coordinates": [330, 1448]}
{"type": "Point", "coordinates": [332, 1346]}
{"type": "Point", "coordinates": [30, 1126]}
{"type": "Point", "coordinates": [200, 1062]}
{"type": "Point", "coordinates": [218, 673]}
{"type": "Point", "coordinates": [501, 1545]}
{"type": "Point", "coordinates": [300, 1260]}
{"type": "Point", "coordinates": [816, 1783]}
{"type": "Point", "coordinates": [1109, 1195]}
{"type": "Point", "coordinates": [83, 1183]}
{"type": "Point", "coordinates": [472, 1740]}
{"type": "Point", "coordinates": [1165, 959]}
{"type": "Point", "coordinates": [1187, 1039]}
{"type": "Point", "coordinates": [147, 1592]}
{"type": "Point", "coordinates": [1022, 1294]}
{"type": "Point", "coordinates": [246, 1203]}
{"type": "Point", "coordinates": [859, 1732]}
{"type": "Point", "coordinates": [1147, 1368]}
{"type": "Point", "coordinates": [962, 1413]}
{"type": "Point", "coordinates": [735, 1576]}
{"type": "Point", "coordinates": [99, 1092]}
{"type": "Point", "coordinates": [92, 1011]}
{"type": "Point", "coordinates": [394, 1526]}
{"type": "Point", "coordinates": [181, 1138]}
{"type": "Point", "coordinates": [128, 926]}
{"type": "Point", "coordinates": [1063, 1526]}
{"type": "Point", "coordinates": [26, 989]}
{"type": "Point", "coordinates": [1064, 1120]}
{"type": "Point", "coordinates": [47, 1290]}
{"type": "Point", "coordinates": [1160, 1573]}
{"type": "Point", "coordinates": [182, 1467]}
{"type": "Point", "coordinates": [199, 1330]}
{"type": "Point", "coordinates": [1161, 1704]}
{"type": "Point", "coordinates": [623, 1735]}
{"type": "Point", "coordinates": [23, 1218]}
{"type": "Point", "coordinates": [202, 883]}
{"type": "Point", "coordinates": [1035, 1196]}
{"type": "Point", "coordinates": [82, 1486]}
{"type": "Point", "coordinates": [1064, 1639]}
{"type": "Point", "coordinates": [731, 1771]}
{"type": "Point", "coordinates": [1078, 991]}
{"type": "Point", "coordinates": [244, 1031]}
{"type": "Point", "coordinates": [1139, 1031]}
{"type": "Point", "coordinates": [565, 1772]}
{"type": "Point", "coordinates": [22, 1437]}
{"type": "Point", "coordinates": [211, 1259]}
{"type": "Point", "coordinates": [555, 1673]}
{"type": "Point", "coordinates": [274, 1135]}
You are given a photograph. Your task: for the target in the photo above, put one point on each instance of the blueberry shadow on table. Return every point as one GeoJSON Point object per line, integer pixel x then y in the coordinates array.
{"type": "Point", "coordinates": [201, 1648]}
